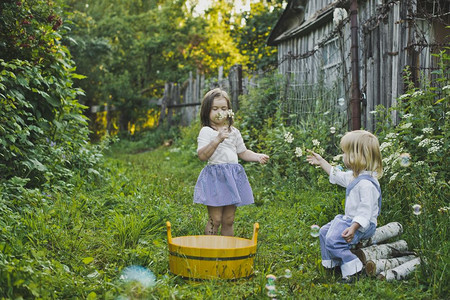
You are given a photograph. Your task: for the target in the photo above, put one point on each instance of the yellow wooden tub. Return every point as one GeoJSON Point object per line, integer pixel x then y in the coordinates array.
{"type": "Point", "coordinates": [211, 256]}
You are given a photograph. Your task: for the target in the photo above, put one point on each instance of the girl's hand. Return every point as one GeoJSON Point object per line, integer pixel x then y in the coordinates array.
{"type": "Point", "coordinates": [223, 134]}
{"type": "Point", "coordinates": [314, 158]}
{"type": "Point", "coordinates": [263, 158]}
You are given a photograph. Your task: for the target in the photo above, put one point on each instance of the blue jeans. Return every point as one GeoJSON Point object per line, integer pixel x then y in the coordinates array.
{"type": "Point", "coordinates": [335, 250]}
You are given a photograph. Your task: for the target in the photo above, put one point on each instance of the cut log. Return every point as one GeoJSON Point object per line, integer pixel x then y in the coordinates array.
{"type": "Point", "coordinates": [400, 272]}
{"type": "Point", "coordinates": [395, 249]}
{"type": "Point", "coordinates": [376, 266]}
{"type": "Point", "coordinates": [383, 233]}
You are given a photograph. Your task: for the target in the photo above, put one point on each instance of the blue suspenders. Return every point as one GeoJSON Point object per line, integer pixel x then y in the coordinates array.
{"type": "Point", "coordinates": [357, 180]}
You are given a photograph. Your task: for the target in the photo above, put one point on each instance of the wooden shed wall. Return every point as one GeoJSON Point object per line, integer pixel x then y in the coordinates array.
{"type": "Point", "coordinates": [386, 46]}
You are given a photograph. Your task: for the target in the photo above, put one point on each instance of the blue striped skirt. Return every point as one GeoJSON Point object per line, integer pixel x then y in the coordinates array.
{"type": "Point", "coordinates": [223, 184]}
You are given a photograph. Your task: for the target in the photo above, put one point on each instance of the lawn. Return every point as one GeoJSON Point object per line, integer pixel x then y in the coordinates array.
{"type": "Point", "coordinates": [150, 188]}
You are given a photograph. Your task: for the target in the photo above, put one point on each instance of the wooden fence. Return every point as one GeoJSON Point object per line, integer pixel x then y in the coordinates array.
{"type": "Point", "coordinates": [180, 103]}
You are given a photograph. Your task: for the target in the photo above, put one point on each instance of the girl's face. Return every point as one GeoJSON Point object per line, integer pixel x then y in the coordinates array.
{"type": "Point", "coordinates": [219, 108]}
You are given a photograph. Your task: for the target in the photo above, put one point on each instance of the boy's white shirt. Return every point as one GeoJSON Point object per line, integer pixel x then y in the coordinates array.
{"type": "Point", "coordinates": [362, 203]}
{"type": "Point", "coordinates": [227, 151]}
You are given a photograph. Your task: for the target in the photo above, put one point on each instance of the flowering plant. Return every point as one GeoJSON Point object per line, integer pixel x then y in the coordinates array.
{"type": "Point", "coordinates": [229, 114]}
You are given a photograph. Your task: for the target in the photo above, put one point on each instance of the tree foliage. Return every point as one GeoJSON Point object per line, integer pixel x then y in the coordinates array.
{"type": "Point", "coordinates": [129, 49]}
{"type": "Point", "coordinates": [252, 36]}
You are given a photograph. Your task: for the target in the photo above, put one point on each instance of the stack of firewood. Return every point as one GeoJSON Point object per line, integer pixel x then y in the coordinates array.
{"type": "Point", "coordinates": [387, 261]}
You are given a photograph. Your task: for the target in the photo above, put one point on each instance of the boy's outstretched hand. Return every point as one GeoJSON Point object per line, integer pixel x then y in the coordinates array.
{"type": "Point", "coordinates": [314, 158]}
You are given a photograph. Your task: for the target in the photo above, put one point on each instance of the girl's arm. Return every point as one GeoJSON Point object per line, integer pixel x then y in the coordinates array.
{"type": "Point", "coordinates": [249, 155]}
{"type": "Point", "coordinates": [316, 159]}
{"type": "Point", "coordinates": [205, 152]}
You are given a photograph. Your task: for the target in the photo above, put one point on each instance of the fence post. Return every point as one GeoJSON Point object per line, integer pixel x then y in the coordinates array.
{"type": "Point", "coordinates": [235, 81]}
{"type": "Point", "coordinates": [220, 78]}
{"type": "Point", "coordinates": [164, 104]}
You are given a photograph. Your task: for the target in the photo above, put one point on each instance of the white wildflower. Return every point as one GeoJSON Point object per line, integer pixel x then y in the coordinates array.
{"type": "Point", "coordinates": [418, 93]}
{"type": "Point", "coordinates": [403, 96]}
{"type": "Point", "coordinates": [391, 135]}
{"type": "Point", "coordinates": [393, 177]}
{"type": "Point", "coordinates": [230, 114]}
{"type": "Point", "coordinates": [428, 130]}
{"type": "Point", "coordinates": [433, 149]}
{"type": "Point", "coordinates": [424, 142]}
{"type": "Point", "coordinates": [420, 163]}
{"type": "Point", "coordinates": [220, 115]}
{"type": "Point", "coordinates": [315, 142]}
{"type": "Point", "coordinates": [446, 87]}
{"type": "Point", "coordinates": [419, 137]}
{"type": "Point", "coordinates": [298, 152]}
{"type": "Point", "coordinates": [338, 157]}
{"type": "Point", "coordinates": [288, 137]}
{"type": "Point", "coordinates": [406, 116]}
{"type": "Point", "coordinates": [444, 209]}
{"type": "Point", "coordinates": [406, 126]}
{"type": "Point", "coordinates": [432, 177]}
{"type": "Point", "coordinates": [385, 145]}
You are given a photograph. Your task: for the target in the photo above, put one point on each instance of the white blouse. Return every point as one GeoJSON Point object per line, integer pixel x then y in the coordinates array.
{"type": "Point", "coordinates": [227, 151]}
{"type": "Point", "coordinates": [362, 203]}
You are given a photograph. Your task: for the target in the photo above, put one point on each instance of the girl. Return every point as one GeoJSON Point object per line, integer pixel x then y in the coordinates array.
{"type": "Point", "coordinates": [222, 184]}
{"type": "Point", "coordinates": [362, 201]}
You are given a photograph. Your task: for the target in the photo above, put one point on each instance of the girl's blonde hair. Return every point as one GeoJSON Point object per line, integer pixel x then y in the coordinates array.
{"type": "Point", "coordinates": [362, 152]}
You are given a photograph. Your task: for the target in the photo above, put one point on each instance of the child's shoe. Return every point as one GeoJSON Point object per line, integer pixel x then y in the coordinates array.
{"type": "Point", "coordinates": [352, 278]}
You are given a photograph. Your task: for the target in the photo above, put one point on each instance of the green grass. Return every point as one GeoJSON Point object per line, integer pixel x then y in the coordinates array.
{"type": "Point", "coordinates": [160, 183]}
{"type": "Point", "coordinates": [75, 246]}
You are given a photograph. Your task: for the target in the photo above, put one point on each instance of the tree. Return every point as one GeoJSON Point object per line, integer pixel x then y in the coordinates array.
{"type": "Point", "coordinates": [252, 36]}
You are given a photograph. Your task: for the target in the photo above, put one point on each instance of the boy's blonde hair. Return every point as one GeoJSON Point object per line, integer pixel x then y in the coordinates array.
{"type": "Point", "coordinates": [362, 152]}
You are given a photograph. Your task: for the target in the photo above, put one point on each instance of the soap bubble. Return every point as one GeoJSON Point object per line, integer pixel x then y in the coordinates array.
{"type": "Point", "coordinates": [405, 159]}
{"type": "Point", "coordinates": [271, 277]}
{"type": "Point", "coordinates": [332, 130]}
{"type": "Point", "coordinates": [417, 209]}
{"type": "Point", "coordinates": [341, 101]}
{"type": "Point", "coordinates": [138, 274]}
{"type": "Point", "coordinates": [272, 293]}
{"type": "Point", "coordinates": [315, 230]}
{"type": "Point", "coordinates": [287, 273]}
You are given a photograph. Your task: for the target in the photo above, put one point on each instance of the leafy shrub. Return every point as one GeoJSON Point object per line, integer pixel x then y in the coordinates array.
{"type": "Point", "coordinates": [416, 159]}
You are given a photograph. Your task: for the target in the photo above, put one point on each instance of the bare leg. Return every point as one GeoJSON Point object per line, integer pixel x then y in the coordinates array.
{"type": "Point", "coordinates": [228, 220]}
{"type": "Point", "coordinates": [214, 220]}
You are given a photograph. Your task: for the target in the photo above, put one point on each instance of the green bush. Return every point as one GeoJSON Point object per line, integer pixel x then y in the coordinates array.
{"type": "Point", "coordinates": [415, 183]}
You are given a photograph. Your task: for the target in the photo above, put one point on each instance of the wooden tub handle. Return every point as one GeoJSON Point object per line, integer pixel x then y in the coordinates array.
{"type": "Point", "coordinates": [169, 232]}
{"type": "Point", "coordinates": [255, 233]}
